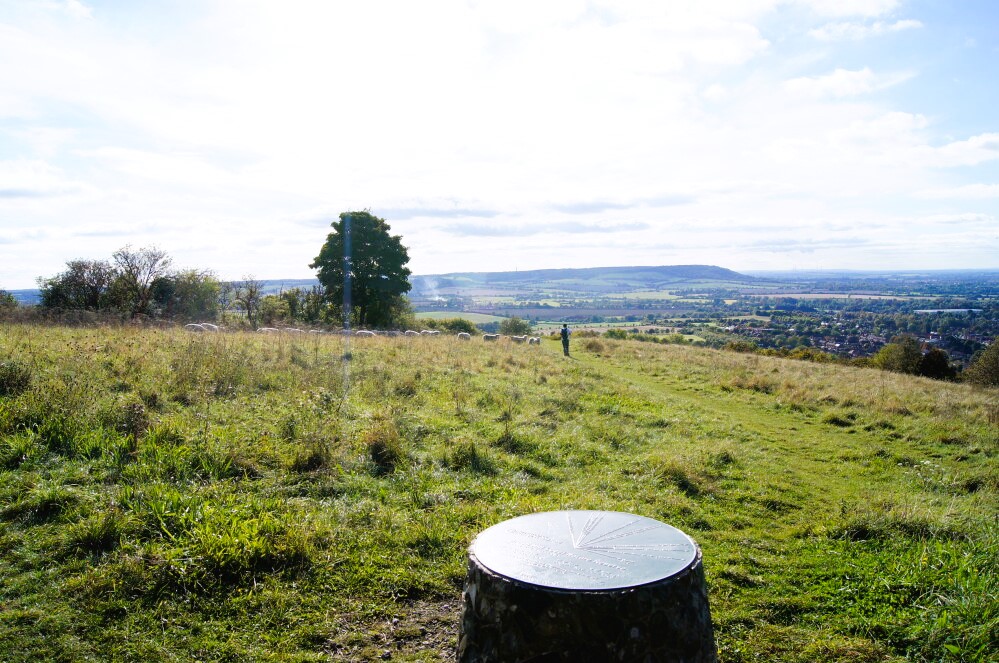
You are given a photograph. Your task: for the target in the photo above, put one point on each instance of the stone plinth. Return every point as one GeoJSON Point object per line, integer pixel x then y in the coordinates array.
{"type": "Point", "coordinates": [585, 586]}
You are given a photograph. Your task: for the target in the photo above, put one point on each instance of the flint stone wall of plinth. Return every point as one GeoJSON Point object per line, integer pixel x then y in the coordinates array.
{"type": "Point", "coordinates": [508, 621]}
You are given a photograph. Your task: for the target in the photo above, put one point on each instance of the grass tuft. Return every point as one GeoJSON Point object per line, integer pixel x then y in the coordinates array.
{"type": "Point", "coordinates": [384, 446]}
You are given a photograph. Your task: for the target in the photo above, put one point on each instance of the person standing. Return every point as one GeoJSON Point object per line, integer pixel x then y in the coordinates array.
{"type": "Point", "coordinates": [565, 331]}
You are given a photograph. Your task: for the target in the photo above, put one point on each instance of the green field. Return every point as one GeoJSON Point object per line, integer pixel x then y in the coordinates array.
{"type": "Point", "coordinates": [170, 497]}
{"type": "Point", "coordinates": [476, 318]}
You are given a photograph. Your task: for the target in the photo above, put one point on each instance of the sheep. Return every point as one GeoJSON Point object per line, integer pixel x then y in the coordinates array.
{"type": "Point", "coordinates": [534, 340]}
{"type": "Point", "coordinates": [410, 332]}
{"type": "Point", "coordinates": [490, 337]}
{"type": "Point", "coordinates": [464, 336]}
{"type": "Point", "coordinates": [268, 330]}
{"type": "Point", "coordinates": [364, 332]}
{"type": "Point", "coordinates": [519, 339]}
{"type": "Point", "coordinates": [209, 326]}
{"type": "Point", "coordinates": [194, 327]}
{"type": "Point", "coordinates": [292, 330]}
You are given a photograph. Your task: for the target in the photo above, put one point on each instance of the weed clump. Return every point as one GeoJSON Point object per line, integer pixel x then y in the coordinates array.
{"type": "Point", "coordinates": [675, 473]}
{"type": "Point", "coordinates": [841, 420]}
{"type": "Point", "coordinates": [887, 521]}
{"type": "Point", "coordinates": [128, 418]}
{"type": "Point", "coordinates": [15, 377]}
{"type": "Point", "coordinates": [314, 456]}
{"type": "Point", "coordinates": [384, 446]}
{"type": "Point", "coordinates": [467, 456]}
{"type": "Point", "coordinates": [97, 535]}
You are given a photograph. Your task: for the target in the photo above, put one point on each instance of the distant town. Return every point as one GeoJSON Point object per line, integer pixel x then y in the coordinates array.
{"type": "Point", "coordinates": [846, 314]}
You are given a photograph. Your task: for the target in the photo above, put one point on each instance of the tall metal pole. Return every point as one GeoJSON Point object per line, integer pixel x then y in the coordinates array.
{"type": "Point", "coordinates": [348, 265]}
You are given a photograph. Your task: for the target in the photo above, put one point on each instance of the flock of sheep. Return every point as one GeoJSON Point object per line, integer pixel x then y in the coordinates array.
{"type": "Point", "coordinates": [464, 336]}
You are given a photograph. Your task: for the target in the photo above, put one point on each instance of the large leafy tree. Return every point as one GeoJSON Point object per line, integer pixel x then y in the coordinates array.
{"type": "Point", "coordinates": [376, 267]}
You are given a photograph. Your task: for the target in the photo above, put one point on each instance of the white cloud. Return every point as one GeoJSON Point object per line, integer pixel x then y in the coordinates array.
{"type": "Point", "coordinates": [975, 150]}
{"type": "Point", "coordinates": [844, 83]}
{"type": "Point", "coordinates": [22, 180]}
{"type": "Point", "coordinates": [967, 191]}
{"type": "Point", "coordinates": [869, 8]}
{"type": "Point", "coordinates": [77, 9]}
{"type": "Point", "coordinates": [857, 31]}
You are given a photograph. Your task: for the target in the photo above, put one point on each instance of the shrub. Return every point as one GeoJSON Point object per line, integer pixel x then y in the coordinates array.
{"type": "Point", "coordinates": [15, 377]}
{"type": "Point", "coordinates": [515, 327]}
{"type": "Point", "coordinates": [742, 346]}
{"type": "Point", "coordinates": [902, 355]}
{"type": "Point", "coordinates": [985, 369]}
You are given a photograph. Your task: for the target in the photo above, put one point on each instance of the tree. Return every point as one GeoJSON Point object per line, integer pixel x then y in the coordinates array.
{"type": "Point", "coordinates": [137, 272]}
{"type": "Point", "coordinates": [901, 355]}
{"type": "Point", "coordinates": [515, 327]}
{"type": "Point", "coordinates": [85, 284]}
{"type": "Point", "coordinates": [936, 364]}
{"type": "Point", "coordinates": [249, 292]}
{"type": "Point", "coordinates": [376, 268]}
{"type": "Point", "coordinates": [274, 309]}
{"type": "Point", "coordinates": [190, 294]}
{"type": "Point", "coordinates": [985, 368]}
{"type": "Point", "coordinates": [7, 300]}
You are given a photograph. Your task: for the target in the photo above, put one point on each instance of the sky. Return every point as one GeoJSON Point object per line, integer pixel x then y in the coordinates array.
{"type": "Point", "coordinates": [499, 135]}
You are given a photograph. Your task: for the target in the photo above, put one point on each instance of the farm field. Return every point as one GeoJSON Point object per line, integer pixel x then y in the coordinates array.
{"type": "Point", "coordinates": [170, 496]}
{"type": "Point", "coordinates": [476, 318]}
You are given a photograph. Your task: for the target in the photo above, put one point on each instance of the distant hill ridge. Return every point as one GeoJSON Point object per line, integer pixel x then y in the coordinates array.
{"type": "Point", "coordinates": [579, 279]}
{"type": "Point", "coordinates": [663, 272]}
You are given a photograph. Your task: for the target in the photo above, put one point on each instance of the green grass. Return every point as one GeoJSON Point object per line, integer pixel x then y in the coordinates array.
{"type": "Point", "coordinates": [166, 496]}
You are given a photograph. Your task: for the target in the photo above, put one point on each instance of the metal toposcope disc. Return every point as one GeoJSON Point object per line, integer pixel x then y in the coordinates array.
{"type": "Point", "coordinates": [584, 550]}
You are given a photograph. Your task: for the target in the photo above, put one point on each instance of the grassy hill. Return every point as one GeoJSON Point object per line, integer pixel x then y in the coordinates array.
{"type": "Point", "coordinates": [170, 496]}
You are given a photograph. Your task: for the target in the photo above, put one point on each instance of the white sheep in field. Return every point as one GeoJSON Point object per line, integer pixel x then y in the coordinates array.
{"type": "Point", "coordinates": [490, 337]}
{"type": "Point", "coordinates": [293, 330]}
{"type": "Point", "coordinates": [210, 327]}
{"type": "Point", "coordinates": [464, 336]}
{"type": "Point", "coordinates": [519, 339]}
{"type": "Point", "coordinates": [194, 327]}
{"type": "Point", "coordinates": [410, 332]}
{"type": "Point", "coordinates": [364, 332]}
{"type": "Point", "coordinates": [268, 330]}
{"type": "Point", "coordinates": [534, 340]}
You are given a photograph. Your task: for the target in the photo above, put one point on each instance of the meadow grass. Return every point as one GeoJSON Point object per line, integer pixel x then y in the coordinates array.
{"type": "Point", "coordinates": [171, 496]}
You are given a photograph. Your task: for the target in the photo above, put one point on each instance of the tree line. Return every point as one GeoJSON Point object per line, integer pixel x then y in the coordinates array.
{"type": "Point", "coordinates": [361, 269]}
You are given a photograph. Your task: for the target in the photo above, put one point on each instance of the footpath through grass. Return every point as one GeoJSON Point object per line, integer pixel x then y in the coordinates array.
{"type": "Point", "coordinates": [170, 496]}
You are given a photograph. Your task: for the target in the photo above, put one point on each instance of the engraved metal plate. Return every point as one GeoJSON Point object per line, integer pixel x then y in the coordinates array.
{"type": "Point", "coordinates": [584, 550]}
